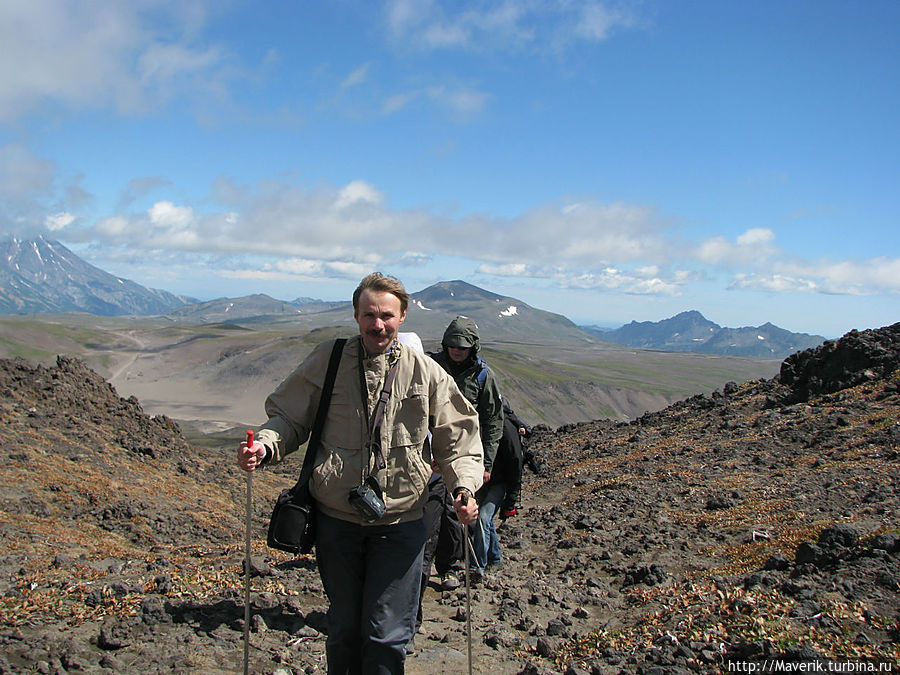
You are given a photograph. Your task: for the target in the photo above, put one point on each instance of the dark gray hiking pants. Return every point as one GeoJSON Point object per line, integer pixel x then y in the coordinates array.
{"type": "Point", "coordinates": [371, 575]}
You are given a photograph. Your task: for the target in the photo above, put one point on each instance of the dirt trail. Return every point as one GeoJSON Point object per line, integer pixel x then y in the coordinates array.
{"type": "Point", "coordinates": [120, 372]}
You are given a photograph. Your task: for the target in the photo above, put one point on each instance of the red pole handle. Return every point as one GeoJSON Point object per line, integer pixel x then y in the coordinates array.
{"type": "Point", "coordinates": [249, 438]}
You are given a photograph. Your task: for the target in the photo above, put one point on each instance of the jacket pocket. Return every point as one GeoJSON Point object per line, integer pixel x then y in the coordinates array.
{"type": "Point", "coordinates": [406, 477]}
{"type": "Point", "coordinates": [339, 472]}
{"type": "Point", "coordinates": [343, 428]}
{"type": "Point", "coordinates": [409, 421]}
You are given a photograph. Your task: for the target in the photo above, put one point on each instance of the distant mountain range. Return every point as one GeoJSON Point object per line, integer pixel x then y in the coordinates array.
{"type": "Point", "coordinates": [692, 332]}
{"type": "Point", "coordinates": [40, 275]}
{"type": "Point", "coordinates": [250, 307]}
{"type": "Point", "coordinates": [43, 276]}
{"type": "Point", "coordinates": [430, 310]}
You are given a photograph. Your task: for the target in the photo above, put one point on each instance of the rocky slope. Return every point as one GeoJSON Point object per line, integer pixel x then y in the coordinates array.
{"type": "Point", "coordinates": [759, 521]}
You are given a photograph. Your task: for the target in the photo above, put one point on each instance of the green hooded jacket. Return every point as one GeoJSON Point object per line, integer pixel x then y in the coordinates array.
{"type": "Point", "coordinates": [463, 333]}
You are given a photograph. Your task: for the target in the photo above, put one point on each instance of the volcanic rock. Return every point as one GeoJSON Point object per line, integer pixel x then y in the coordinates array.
{"type": "Point", "coordinates": [759, 522]}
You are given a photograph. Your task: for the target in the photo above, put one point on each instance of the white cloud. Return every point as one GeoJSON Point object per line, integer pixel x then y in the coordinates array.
{"type": "Point", "coordinates": [591, 235]}
{"type": "Point", "coordinates": [756, 236]}
{"type": "Point", "coordinates": [405, 15]}
{"type": "Point", "coordinates": [631, 282]}
{"type": "Point", "coordinates": [508, 270]}
{"type": "Point", "coordinates": [597, 21]}
{"type": "Point", "coordinates": [165, 226]}
{"type": "Point", "coordinates": [778, 283]}
{"type": "Point", "coordinates": [357, 192]}
{"type": "Point", "coordinates": [638, 281]}
{"type": "Point", "coordinates": [863, 277]}
{"type": "Point", "coordinates": [164, 62]}
{"type": "Point", "coordinates": [58, 221]}
{"type": "Point", "coordinates": [438, 35]}
{"type": "Point", "coordinates": [344, 232]}
{"type": "Point", "coordinates": [351, 228]}
{"type": "Point", "coordinates": [502, 26]}
{"type": "Point", "coordinates": [300, 266]}
{"type": "Point", "coordinates": [168, 216]}
{"type": "Point", "coordinates": [254, 275]}
{"type": "Point", "coordinates": [357, 77]}
{"type": "Point", "coordinates": [316, 269]}
{"type": "Point", "coordinates": [460, 101]}
{"type": "Point", "coordinates": [457, 101]}
{"type": "Point", "coordinates": [752, 246]}
{"type": "Point", "coordinates": [101, 53]}
{"type": "Point", "coordinates": [848, 277]}
{"type": "Point", "coordinates": [398, 102]}
{"type": "Point", "coordinates": [414, 258]}
{"type": "Point", "coordinates": [114, 226]}
{"type": "Point", "coordinates": [349, 270]}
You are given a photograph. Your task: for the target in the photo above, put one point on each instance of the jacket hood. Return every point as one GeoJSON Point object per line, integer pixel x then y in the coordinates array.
{"type": "Point", "coordinates": [462, 333]}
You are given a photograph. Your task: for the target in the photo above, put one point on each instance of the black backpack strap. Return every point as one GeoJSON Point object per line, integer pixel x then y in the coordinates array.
{"type": "Point", "coordinates": [315, 436]}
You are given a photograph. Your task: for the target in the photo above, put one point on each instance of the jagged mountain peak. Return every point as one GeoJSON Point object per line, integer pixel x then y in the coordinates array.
{"type": "Point", "coordinates": [690, 331]}
{"type": "Point", "coordinates": [42, 275]}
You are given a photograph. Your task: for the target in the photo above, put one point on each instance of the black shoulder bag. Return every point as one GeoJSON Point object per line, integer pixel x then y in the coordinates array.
{"type": "Point", "coordinates": [292, 527]}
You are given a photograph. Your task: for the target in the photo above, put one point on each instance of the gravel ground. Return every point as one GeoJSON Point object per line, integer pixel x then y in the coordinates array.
{"type": "Point", "coordinates": [756, 522]}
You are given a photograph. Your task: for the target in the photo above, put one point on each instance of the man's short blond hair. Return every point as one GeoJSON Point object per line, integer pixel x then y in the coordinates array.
{"type": "Point", "coordinates": [381, 283]}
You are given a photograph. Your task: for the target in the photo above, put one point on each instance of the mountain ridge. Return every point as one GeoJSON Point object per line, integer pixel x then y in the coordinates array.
{"type": "Point", "coordinates": [690, 331]}
{"type": "Point", "coordinates": [43, 276]}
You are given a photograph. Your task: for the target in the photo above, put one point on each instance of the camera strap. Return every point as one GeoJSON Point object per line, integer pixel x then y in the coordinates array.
{"type": "Point", "coordinates": [315, 435]}
{"type": "Point", "coordinates": [377, 418]}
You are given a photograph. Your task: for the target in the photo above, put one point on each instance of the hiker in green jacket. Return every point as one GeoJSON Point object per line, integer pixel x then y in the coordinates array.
{"type": "Point", "coordinates": [459, 357]}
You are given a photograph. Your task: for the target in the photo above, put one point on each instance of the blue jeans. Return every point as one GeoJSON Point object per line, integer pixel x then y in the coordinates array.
{"type": "Point", "coordinates": [485, 542]}
{"type": "Point", "coordinates": [371, 575]}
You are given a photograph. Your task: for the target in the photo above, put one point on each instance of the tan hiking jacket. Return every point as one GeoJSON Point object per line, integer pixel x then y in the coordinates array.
{"type": "Point", "coordinates": [423, 393]}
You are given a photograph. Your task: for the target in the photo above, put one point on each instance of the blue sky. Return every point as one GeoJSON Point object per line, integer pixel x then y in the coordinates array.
{"type": "Point", "coordinates": [609, 161]}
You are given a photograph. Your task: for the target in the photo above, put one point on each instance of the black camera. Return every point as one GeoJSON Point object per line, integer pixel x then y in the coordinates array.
{"type": "Point", "coordinates": [366, 499]}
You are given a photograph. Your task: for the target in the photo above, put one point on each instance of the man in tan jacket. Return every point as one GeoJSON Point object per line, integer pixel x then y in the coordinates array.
{"type": "Point", "coordinates": [371, 569]}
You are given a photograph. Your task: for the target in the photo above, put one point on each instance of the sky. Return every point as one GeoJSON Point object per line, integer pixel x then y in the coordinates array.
{"type": "Point", "coordinates": [609, 161]}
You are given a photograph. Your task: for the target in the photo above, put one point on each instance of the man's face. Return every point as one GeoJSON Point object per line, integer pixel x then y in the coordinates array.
{"type": "Point", "coordinates": [459, 354]}
{"type": "Point", "coordinates": [379, 317]}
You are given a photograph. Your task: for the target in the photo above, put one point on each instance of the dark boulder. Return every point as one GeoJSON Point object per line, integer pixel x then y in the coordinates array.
{"type": "Point", "coordinates": [856, 358]}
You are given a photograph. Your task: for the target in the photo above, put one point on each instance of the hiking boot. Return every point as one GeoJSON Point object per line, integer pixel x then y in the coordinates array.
{"type": "Point", "coordinates": [449, 581]}
{"type": "Point", "coordinates": [411, 645]}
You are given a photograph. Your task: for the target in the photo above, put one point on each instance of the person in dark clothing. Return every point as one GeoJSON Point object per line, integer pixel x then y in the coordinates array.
{"type": "Point", "coordinates": [459, 356]}
{"type": "Point", "coordinates": [444, 543]}
{"type": "Point", "coordinates": [505, 485]}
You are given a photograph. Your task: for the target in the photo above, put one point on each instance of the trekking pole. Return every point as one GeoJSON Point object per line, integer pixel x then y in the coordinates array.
{"type": "Point", "coordinates": [464, 499]}
{"type": "Point", "coordinates": [247, 563]}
